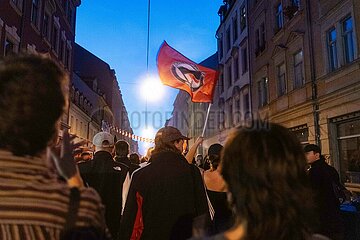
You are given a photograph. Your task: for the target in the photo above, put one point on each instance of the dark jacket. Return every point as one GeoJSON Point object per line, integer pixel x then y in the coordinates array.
{"type": "Point", "coordinates": [125, 161]}
{"type": "Point", "coordinates": [106, 176]}
{"type": "Point", "coordinates": [322, 177]}
{"type": "Point", "coordinates": [164, 198]}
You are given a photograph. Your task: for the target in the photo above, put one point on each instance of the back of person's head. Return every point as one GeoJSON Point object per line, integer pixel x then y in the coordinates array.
{"type": "Point", "coordinates": [264, 166]}
{"type": "Point", "coordinates": [134, 158]}
{"type": "Point", "coordinates": [213, 156]}
{"type": "Point", "coordinates": [103, 141]}
{"type": "Point", "coordinates": [32, 90]}
{"type": "Point", "coordinates": [122, 148]}
{"type": "Point", "coordinates": [166, 138]}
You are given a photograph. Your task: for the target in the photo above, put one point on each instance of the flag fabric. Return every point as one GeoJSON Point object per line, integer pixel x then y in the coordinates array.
{"type": "Point", "coordinates": [177, 71]}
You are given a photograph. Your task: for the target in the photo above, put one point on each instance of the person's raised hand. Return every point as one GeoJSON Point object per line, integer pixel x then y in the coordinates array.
{"type": "Point", "coordinates": [199, 140]}
{"type": "Point", "coordinates": [64, 161]}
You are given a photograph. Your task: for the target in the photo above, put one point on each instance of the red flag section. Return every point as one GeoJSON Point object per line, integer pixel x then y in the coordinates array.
{"type": "Point", "coordinates": [177, 71]}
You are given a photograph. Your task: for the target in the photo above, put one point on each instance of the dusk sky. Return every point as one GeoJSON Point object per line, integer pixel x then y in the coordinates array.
{"type": "Point", "coordinates": [116, 32]}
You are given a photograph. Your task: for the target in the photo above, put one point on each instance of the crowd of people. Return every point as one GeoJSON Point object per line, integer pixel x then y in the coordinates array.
{"type": "Point", "coordinates": [262, 184]}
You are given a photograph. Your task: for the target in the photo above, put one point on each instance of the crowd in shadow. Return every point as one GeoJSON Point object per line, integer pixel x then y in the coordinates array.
{"type": "Point", "coordinates": [262, 184]}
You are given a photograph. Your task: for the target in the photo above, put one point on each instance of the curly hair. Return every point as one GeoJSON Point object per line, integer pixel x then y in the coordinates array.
{"type": "Point", "coordinates": [264, 168]}
{"type": "Point", "coordinates": [32, 90]}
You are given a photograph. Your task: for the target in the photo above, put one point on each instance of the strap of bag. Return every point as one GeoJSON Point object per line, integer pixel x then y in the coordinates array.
{"type": "Point", "coordinates": [73, 209]}
{"type": "Point", "coordinates": [211, 208]}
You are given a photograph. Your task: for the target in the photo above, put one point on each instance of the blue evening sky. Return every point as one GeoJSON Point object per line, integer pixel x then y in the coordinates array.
{"type": "Point", "coordinates": [116, 32]}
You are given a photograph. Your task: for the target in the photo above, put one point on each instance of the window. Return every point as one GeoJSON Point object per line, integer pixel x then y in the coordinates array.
{"type": "Point", "coordinates": [236, 67]}
{"type": "Point", "coordinates": [221, 82]}
{"type": "Point", "coordinates": [35, 8]}
{"type": "Point", "coordinates": [237, 109]}
{"type": "Point", "coordinates": [55, 38]}
{"type": "Point", "coordinates": [347, 30]}
{"type": "Point", "coordinates": [229, 69]}
{"type": "Point", "coordinates": [263, 92]}
{"type": "Point", "coordinates": [81, 129]}
{"type": "Point", "coordinates": [301, 133]}
{"type": "Point", "coordinates": [67, 58]}
{"type": "Point", "coordinates": [235, 28]}
{"type": "Point", "coordinates": [262, 36]}
{"type": "Point", "coordinates": [260, 39]}
{"type": "Point", "coordinates": [221, 115]}
{"type": "Point", "coordinates": [348, 134]}
{"type": "Point", "coordinates": [220, 48]}
{"type": "Point", "coordinates": [46, 26]}
{"type": "Point", "coordinates": [279, 17]}
{"type": "Point", "coordinates": [246, 104]}
{"type": "Point", "coordinates": [228, 39]}
{"type": "Point", "coordinates": [298, 69]}
{"type": "Point", "coordinates": [61, 50]}
{"type": "Point", "coordinates": [243, 18]}
{"type": "Point", "coordinates": [244, 61]}
{"type": "Point", "coordinates": [231, 114]}
{"type": "Point", "coordinates": [331, 45]}
{"type": "Point", "coordinates": [9, 47]}
{"type": "Point", "coordinates": [281, 79]}
{"type": "Point", "coordinates": [72, 124]}
{"type": "Point", "coordinates": [76, 126]}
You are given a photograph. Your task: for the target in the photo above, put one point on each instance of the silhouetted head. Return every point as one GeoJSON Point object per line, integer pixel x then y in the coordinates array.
{"type": "Point", "coordinates": [33, 98]}
{"type": "Point", "coordinates": [169, 139]}
{"type": "Point", "coordinates": [122, 148]}
{"type": "Point", "coordinates": [264, 168]}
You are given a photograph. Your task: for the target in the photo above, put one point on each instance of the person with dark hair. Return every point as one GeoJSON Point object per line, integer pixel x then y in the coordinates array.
{"type": "Point", "coordinates": [264, 168]}
{"type": "Point", "coordinates": [216, 190]}
{"type": "Point", "coordinates": [134, 159]}
{"type": "Point", "coordinates": [34, 203]}
{"type": "Point", "coordinates": [166, 195]}
{"type": "Point", "coordinates": [324, 180]}
{"type": "Point", "coordinates": [106, 176]}
{"type": "Point", "coordinates": [122, 150]}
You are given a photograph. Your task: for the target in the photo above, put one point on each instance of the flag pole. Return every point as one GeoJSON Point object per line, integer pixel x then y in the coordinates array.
{"type": "Point", "coordinates": [206, 120]}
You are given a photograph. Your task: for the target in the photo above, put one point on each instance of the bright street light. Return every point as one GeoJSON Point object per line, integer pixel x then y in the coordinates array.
{"type": "Point", "coordinates": [152, 89]}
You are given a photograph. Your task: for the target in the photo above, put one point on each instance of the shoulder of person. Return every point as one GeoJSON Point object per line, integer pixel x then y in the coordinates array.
{"type": "Point", "coordinates": [120, 166]}
{"type": "Point", "coordinates": [318, 237]}
{"type": "Point", "coordinates": [138, 172]}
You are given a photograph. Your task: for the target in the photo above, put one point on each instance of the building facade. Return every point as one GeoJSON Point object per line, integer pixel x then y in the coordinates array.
{"type": "Point", "coordinates": [95, 82]}
{"type": "Point", "coordinates": [234, 93]}
{"type": "Point", "coordinates": [232, 98]}
{"type": "Point", "coordinates": [40, 26]}
{"type": "Point", "coordinates": [305, 74]}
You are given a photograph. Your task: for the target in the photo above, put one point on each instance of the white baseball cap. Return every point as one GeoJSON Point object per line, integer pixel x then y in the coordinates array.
{"type": "Point", "coordinates": [103, 139]}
